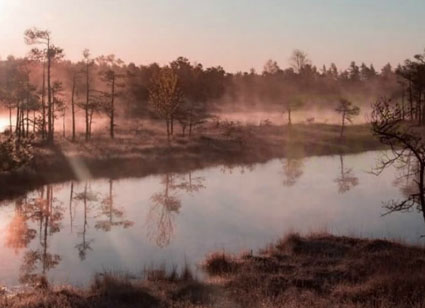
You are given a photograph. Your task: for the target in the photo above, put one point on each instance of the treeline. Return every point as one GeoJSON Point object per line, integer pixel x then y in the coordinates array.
{"type": "Point", "coordinates": [44, 89]}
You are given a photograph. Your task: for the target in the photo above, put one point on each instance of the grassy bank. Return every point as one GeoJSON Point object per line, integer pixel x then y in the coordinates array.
{"type": "Point", "coordinates": [314, 271]}
{"type": "Point", "coordinates": [147, 152]}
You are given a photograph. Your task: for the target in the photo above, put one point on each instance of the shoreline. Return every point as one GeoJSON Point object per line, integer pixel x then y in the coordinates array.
{"type": "Point", "coordinates": [317, 270]}
{"type": "Point", "coordinates": [138, 156]}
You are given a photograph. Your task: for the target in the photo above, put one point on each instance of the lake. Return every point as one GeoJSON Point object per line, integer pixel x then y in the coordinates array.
{"type": "Point", "coordinates": [70, 231]}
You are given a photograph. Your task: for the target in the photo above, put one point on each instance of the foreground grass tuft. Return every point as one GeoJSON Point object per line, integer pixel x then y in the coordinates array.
{"type": "Point", "coordinates": [319, 270]}
{"type": "Point", "coordinates": [220, 264]}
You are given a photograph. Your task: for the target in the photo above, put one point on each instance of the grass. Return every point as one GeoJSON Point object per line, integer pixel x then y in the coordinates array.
{"type": "Point", "coordinates": [327, 271]}
{"type": "Point", "coordinates": [146, 152]}
{"type": "Point", "coordinates": [220, 264]}
{"type": "Point", "coordinates": [319, 270]}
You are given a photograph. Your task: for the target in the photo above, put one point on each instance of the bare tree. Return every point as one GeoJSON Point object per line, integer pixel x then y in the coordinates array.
{"type": "Point", "coordinates": [299, 60]}
{"type": "Point", "coordinates": [406, 140]}
{"type": "Point", "coordinates": [109, 74]}
{"type": "Point", "coordinates": [74, 72]}
{"type": "Point", "coordinates": [348, 111]}
{"type": "Point", "coordinates": [291, 104]}
{"type": "Point", "coordinates": [57, 103]}
{"type": "Point", "coordinates": [88, 63]}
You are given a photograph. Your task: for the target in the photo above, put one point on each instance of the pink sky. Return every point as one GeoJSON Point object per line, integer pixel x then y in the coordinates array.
{"type": "Point", "coordinates": [237, 34]}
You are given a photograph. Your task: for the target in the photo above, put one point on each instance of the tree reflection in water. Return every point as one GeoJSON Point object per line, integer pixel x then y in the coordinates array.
{"type": "Point", "coordinates": [111, 216]}
{"type": "Point", "coordinates": [293, 164]}
{"type": "Point", "coordinates": [190, 184]}
{"type": "Point", "coordinates": [47, 211]}
{"type": "Point", "coordinates": [346, 180]}
{"type": "Point", "coordinates": [230, 167]}
{"type": "Point", "coordinates": [160, 218]}
{"type": "Point", "coordinates": [292, 170]}
{"type": "Point", "coordinates": [18, 234]}
{"type": "Point", "coordinates": [85, 197]}
{"type": "Point", "coordinates": [407, 180]}
{"type": "Point", "coordinates": [166, 205]}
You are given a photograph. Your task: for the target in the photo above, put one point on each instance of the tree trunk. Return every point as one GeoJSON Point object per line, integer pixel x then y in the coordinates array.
{"type": "Point", "coordinates": [10, 119]}
{"type": "Point", "coordinates": [421, 101]}
{"type": "Point", "coordinates": [421, 187]}
{"type": "Point", "coordinates": [87, 102]}
{"type": "Point", "coordinates": [63, 123]}
{"type": "Point", "coordinates": [342, 124]}
{"type": "Point", "coordinates": [91, 111]}
{"type": "Point", "coordinates": [70, 205]}
{"type": "Point", "coordinates": [168, 128]}
{"type": "Point", "coordinates": [50, 134]}
{"type": "Point", "coordinates": [112, 107]}
{"type": "Point", "coordinates": [402, 105]}
{"type": "Point", "coordinates": [410, 100]}
{"type": "Point", "coordinates": [289, 117]}
{"type": "Point", "coordinates": [73, 105]}
{"type": "Point", "coordinates": [53, 114]}
{"type": "Point", "coordinates": [27, 123]}
{"type": "Point", "coordinates": [111, 201]}
{"type": "Point", "coordinates": [191, 120]}
{"type": "Point", "coordinates": [43, 103]}
{"type": "Point", "coordinates": [17, 125]}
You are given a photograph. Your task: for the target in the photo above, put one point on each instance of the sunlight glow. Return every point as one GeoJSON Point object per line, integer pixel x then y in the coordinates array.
{"type": "Point", "coordinates": [4, 121]}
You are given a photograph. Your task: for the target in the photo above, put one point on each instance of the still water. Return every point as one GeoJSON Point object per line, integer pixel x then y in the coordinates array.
{"type": "Point", "coordinates": [71, 231]}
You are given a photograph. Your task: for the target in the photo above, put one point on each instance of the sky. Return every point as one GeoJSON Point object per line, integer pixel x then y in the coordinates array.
{"type": "Point", "coordinates": [236, 34]}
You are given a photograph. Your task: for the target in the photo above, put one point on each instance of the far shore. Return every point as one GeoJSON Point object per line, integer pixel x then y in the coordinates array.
{"type": "Point", "coordinates": [147, 151]}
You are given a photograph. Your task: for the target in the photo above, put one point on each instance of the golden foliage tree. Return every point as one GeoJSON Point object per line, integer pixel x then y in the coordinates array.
{"type": "Point", "coordinates": [165, 96]}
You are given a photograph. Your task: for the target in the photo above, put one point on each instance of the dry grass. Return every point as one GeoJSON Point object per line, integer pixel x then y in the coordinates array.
{"type": "Point", "coordinates": [328, 271]}
{"type": "Point", "coordinates": [146, 152]}
{"type": "Point", "coordinates": [219, 264]}
{"type": "Point", "coordinates": [319, 270]}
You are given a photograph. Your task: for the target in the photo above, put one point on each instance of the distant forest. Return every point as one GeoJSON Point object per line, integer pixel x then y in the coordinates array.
{"type": "Point", "coordinates": [44, 87]}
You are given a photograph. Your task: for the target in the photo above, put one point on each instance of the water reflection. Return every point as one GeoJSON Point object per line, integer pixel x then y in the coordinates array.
{"type": "Point", "coordinates": [292, 170]}
{"type": "Point", "coordinates": [160, 219]}
{"type": "Point", "coordinates": [293, 165]}
{"type": "Point", "coordinates": [48, 213]}
{"type": "Point", "coordinates": [44, 210]}
{"type": "Point", "coordinates": [408, 181]}
{"type": "Point", "coordinates": [346, 179]}
{"type": "Point", "coordinates": [85, 197]}
{"type": "Point", "coordinates": [229, 168]}
{"type": "Point", "coordinates": [18, 234]}
{"type": "Point", "coordinates": [68, 232]}
{"type": "Point", "coordinates": [191, 184]}
{"type": "Point", "coordinates": [110, 215]}
{"type": "Point", "coordinates": [166, 206]}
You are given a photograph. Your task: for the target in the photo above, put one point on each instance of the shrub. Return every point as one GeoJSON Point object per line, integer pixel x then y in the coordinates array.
{"type": "Point", "coordinates": [15, 153]}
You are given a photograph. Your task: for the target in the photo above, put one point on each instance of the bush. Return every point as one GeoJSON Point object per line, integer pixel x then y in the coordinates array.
{"type": "Point", "coordinates": [14, 153]}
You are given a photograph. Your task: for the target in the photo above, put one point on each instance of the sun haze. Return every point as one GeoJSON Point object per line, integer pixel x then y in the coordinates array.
{"type": "Point", "coordinates": [237, 34]}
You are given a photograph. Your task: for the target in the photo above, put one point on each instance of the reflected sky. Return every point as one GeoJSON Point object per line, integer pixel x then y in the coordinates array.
{"type": "Point", "coordinates": [173, 219]}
